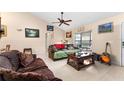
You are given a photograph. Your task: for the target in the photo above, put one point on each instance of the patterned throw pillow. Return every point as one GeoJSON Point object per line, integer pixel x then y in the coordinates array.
{"type": "Point", "coordinates": [26, 59]}
{"type": "Point", "coordinates": [55, 49]}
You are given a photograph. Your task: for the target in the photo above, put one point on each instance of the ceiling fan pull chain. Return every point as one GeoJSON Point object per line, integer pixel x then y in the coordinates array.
{"type": "Point", "coordinates": [62, 15]}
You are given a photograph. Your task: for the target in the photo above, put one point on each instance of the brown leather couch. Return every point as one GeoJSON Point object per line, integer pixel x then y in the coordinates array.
{"type": "Point", "coordinates": [52, 49]}
{"type": "Point", "coordinates": [12, 70]}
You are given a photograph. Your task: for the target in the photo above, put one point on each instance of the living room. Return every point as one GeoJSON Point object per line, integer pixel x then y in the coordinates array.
{"type": "Point", "coordinates": [16, 23]}
{"type": "Point", "coordinates": [92, 43]}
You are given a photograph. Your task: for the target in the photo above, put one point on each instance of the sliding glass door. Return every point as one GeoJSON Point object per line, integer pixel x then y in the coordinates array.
{"type": "Point", "coordinates": [86, 39]}
{"type": "Point", "coordinates": [83, 40]}
{"type": "Point", "coordinates": [78, 39]}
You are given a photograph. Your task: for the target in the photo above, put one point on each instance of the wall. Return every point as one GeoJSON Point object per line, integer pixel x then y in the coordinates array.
{"type": "Point", "coordinates": [17, 39]}
{"type": "Point", "coordinates": [114, 37]}
{"type": "Point", "coordinates": [54, 37]}
{"type": "Point", "coordinates": [58, 35]}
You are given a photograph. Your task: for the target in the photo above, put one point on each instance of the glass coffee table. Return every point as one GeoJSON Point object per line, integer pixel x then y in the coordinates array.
{"type": "Point", "coordinates": [80, 61]}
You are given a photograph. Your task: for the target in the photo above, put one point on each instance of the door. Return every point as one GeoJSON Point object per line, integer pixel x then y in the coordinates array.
{"type": "Point", "coordinates": [48, 40]}
{"type": "Point", "coordinates": [46, 44]}
{"type": "Point", "coordinates": [122, 45]}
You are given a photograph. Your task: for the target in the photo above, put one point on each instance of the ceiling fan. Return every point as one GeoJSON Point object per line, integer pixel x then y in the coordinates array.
{"type": "Point", "coordinates": [62, 21]}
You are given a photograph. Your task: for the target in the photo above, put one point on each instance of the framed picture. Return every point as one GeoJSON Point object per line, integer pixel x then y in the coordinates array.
{"type": "Point", "coordinates": [4, 29]}
{"type": "Point", "coordinates": [31, 33]}
{"type": "Point", "coordinates": [50, 28]}
{"type": "Point", "coordinates": [68, 34]}
{"type": "Point", "coordinates": [108, 27]}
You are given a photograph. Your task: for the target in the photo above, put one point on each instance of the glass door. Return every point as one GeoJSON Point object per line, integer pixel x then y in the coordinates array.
{"type": "Point", "coordinates": [86, 40]}
{"type": "Point", "coordinates": [78, 39]}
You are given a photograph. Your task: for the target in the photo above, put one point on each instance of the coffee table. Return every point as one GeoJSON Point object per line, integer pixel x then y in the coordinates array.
{"type": "Point", "coordinates": [79, 62]}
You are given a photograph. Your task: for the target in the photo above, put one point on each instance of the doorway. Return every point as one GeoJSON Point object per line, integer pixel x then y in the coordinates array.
{"type": "Point", "coordinates": [48, 40]}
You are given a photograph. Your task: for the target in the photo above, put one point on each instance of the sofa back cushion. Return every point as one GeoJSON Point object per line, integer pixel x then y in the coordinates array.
{"type": "Point", "coordinates": [13, 58]}
{"type": "Point", "coordinates": [5, 63]}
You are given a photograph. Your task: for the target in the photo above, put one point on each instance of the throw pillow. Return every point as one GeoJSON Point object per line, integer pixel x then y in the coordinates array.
{"type": "Point", "coordinates": [66, 46]}
{"type": "Point", "coordinates": [26, 59]}
{"type": "Point", "coordinates": [55, 49]}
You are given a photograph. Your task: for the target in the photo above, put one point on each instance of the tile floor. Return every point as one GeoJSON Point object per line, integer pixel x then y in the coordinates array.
{"type": "Point", "coordinates": [97, 72]}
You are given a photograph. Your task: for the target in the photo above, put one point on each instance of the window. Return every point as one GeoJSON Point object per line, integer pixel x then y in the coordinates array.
{"type": "Point", "coordinates": [86, 39]}
{"type": "Point", "coordinates": [78, 39]}
{"type": "Point", "coordinates": [83, 39]}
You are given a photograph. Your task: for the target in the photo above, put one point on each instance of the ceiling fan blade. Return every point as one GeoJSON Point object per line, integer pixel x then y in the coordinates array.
{"type": "Point", "coordinates": [59, 19]}
{"type": "Point", "coordinates": [66, 24]}
{"type": "Point", "coordinates": [68, 21]}
{"type": "Point", "coordinates": [62, 21]}
{"type": "Point", "coordinates": [55, 22]}
{"type": "Point", "coordinates": [60, 24]}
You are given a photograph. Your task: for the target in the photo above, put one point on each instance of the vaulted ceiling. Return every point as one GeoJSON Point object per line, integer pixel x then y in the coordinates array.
{"type": "Point", "coordinates": [78, 18]}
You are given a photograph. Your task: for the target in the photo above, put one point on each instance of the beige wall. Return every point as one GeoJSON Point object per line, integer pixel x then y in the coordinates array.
{"type": "Point", "coordinates": [17, 39]}
{"type": "Point", "coordinates": [114, 37]}
{"type": "Point", "coordinates": [58, 35]}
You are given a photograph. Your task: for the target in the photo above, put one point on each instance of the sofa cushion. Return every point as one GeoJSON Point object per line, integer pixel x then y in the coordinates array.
{"type": "Point", "coordinates": [60, 54]}
{"type": "Point", "coordinates": [43, 74]}
{"type": "Point", "coordinates": [5, 63]}
{"type": "Point", "coordinates": [71, 51]}
{"type": "Point", "coordinates": [13, 58]}
{"type": "Point", "coordinates": [26, 59]}
{"type": "Point", "coordinates": [38, 63]}
{"type": "Point", "coordinates": [46, 72]}
{"type": "Point", "coordinates": [70, 47]}
{"type": "Point", "coordinates": [10, 75]}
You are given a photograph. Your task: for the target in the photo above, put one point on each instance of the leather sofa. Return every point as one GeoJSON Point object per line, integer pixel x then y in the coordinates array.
{"type": "Point", "coordinates": [61, 51]}
{"type": "Point", "coordinates": [11, 69]}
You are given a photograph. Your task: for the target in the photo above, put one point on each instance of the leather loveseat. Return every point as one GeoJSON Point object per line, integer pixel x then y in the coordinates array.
{"type": "Point", "coordinates": [11, 68]}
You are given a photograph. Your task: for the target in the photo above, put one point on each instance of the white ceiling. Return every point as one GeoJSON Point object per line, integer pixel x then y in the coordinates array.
{"type": "Point", "coordinates": [78, 18]}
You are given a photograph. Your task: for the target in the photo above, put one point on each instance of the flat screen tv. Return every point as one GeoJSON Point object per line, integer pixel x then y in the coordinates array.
{"type": "Point", "coordinates": [105, 28]}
